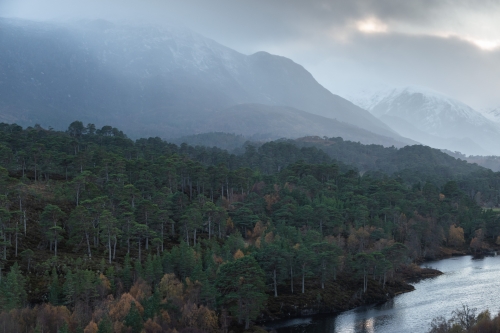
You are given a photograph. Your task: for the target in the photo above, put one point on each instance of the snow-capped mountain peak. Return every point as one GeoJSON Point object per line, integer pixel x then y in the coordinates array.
{"type": "Point", "coordinates": [428, 108]}
{"type": "Point", "coordinates": [443, 119]}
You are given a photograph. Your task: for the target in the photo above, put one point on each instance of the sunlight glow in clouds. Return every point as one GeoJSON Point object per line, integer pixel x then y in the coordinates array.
{"type": "Point", "coordinates": [371, 25]}
{"type": "Point", "coordinates": [488, 45]}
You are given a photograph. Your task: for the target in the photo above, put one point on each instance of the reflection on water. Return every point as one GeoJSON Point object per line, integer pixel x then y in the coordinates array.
{"type": "Point", "coordinates": [466, 281]}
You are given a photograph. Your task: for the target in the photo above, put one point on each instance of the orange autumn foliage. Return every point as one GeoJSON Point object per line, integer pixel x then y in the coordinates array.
{"type": "Point", "coordinates": [119, 309]}
{"type": "Point", "coordinates": [271, 199]}
{"type": "Point", "coordinates": [269, 238]}
{"type": "Point", "coordinates": [140, 290]}
{"type": "Point", "coordinates": [200, 317]}
{"type": "Point", "coordinates": [238, 254]}
{"type": "Point", "coordinates": [152, 327]}
{"type": "Point", "coordinates": [91, 328]}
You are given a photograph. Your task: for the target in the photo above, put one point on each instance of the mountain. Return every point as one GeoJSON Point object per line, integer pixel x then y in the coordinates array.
{"type": "Point", "coordinates": [150, 80]}
{"type": "Point", "coordinates": [435, 119]}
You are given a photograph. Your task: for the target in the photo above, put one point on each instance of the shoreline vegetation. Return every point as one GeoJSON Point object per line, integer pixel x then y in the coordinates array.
{"type": "Point", "coordinates": [344, 295]}
{"type": "Point", "coordinates": [99, 233]}
{"type": "Point", "coordinates": [466, 320]}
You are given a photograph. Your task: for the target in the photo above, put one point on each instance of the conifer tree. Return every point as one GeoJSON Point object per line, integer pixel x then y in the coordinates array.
{"type": "Point", "coordinates": [134, 319]}
{"type": "Point", "coordinates": [51, 223]}
{"type": "Point", "coordinates": [13, 289]}
{"type": "Point", "coordinates": [54, 288]}
{"type": "Point", "coordinates": [105, 325]}
{"type": "Point", "coordinates": [241, 286]}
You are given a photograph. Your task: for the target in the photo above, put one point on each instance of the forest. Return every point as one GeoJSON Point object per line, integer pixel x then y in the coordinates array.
{"type": "Point", "coordinates": [100, 233]}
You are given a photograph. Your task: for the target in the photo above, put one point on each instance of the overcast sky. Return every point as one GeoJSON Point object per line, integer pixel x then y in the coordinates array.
{"type": "Point", "coordinates": [449, 46]}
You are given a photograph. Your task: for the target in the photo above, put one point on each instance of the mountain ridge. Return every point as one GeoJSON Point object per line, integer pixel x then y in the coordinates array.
{"type": "Point", "coordinates": [149, 80]}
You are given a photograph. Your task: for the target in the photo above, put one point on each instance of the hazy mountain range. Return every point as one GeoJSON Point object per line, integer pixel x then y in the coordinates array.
{"type": "Point", "coordinates": [172, 82]}
{"type": "Point", "coordinates": [166, 82]}
{"type": "Point", "coordinates": [433, 119]}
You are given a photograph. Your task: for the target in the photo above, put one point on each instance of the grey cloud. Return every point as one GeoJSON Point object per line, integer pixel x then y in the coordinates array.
{"type": "Point", "coordinates": [449, 65]}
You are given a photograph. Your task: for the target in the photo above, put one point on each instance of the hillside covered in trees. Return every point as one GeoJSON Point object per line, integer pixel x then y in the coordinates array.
{"type": "Point", "coordinates": [100, 233]}
{"type": "Point", "coordinates": [413, 164]}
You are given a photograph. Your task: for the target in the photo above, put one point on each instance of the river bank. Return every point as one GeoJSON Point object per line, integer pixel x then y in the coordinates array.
{"type": "Point", "coordinates": [341, 295]}
{"type": "Point", "coordinates": [466, 280]}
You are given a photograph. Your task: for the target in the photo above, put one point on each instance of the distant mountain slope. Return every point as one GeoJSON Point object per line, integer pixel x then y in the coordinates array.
{"type": "Point", "coordinates": [267, 122]}
{"type": "Point", "coordinates": [492, 114]}
{"type": "Point", "coordinates": [489, 162]}
{"type": "Point", "coordinates": [410, 162]}
{"type": "Point", "coordinates": [227, 141]}
{"type": "Point", "coordinates": [448, 122]}
{"type": "Point", "coordinates": [413, 163]}
{"type": "Point", "coordinates": [405, 128]}
{"type": "Point", "coordinates": [148, 80]}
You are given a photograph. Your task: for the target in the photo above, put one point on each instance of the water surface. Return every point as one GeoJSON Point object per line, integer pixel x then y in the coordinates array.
{"type": "Point", "coordinates": [465, 281]}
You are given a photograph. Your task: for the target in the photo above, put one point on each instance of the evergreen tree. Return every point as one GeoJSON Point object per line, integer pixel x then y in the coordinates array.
{"type": "Point", "coordinates": [13, 289]}
{"type": "Point", "coordinates": [54, 288]}
{"type": "Point", "coordinates": [240, 286]}
{"type": "Point", "coordinates": [134, 319]}
{"type": "Point", "coordinates": [272, 259]}
{"type": "Point", "coordinates": [51, 223]}
{"type": "Point", "coordinates": [105, 325]}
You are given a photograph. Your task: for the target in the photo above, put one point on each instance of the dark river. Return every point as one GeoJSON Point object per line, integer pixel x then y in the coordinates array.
{"type": "Point", "coordinates": [465, 281]}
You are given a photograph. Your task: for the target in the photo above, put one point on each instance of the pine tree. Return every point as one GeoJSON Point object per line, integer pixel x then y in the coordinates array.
{"type": "Point", "coordinates": [272, 259]}
{"type": "Point", "coordinates": [149, 273]}
{"type": "Point", "coordinates": [110, 274]}
{"type": "Point", "coordinates": [105, 326]}
{"type": "Point", "coordinates": [139, 272]}
{"type": "Point", "coordinates": [126, 273]}
{"type": "Point", "coordinates": [152, 305]}
{"type": "Point", "coordinates": [241, 286]}
{"type": "Point", "coordinates": [69, 288]}
{"type": "Point", "coordinates": [64, 328]}
{"type": "Point", "coordinates": [50, 221]}
{"type": "Point", "coordinates": [13, 289]}
{"type": "Point", "coordinates": [54, 288]}
{"type": "Point", "coordinates": [134, 319]}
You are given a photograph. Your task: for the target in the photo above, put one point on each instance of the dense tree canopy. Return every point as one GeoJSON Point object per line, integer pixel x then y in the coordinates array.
{"type": "Point", "coordinates": [166, 237]}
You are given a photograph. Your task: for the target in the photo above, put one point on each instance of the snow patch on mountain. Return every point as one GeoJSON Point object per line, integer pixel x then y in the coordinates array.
{"type": "Point", "coordinates": [492, 114]}
{"type": "Point", "coordinates": [175, 48]}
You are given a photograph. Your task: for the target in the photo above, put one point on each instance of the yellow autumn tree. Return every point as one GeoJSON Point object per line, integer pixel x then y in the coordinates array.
{"type": "Point", "coordinates": [456, 236]}
{"type": "Point", "coordinates": [200, 317]}
{"type": "Point", "coordinates": [140, 290]}
{"type": "Point", "coordinates": [352, 242]}
{"type": "Point", "coordinates": [151, 326]}
{"type": "Point", "coordinates": [119, 309]}
{"type": "Point", "coordinates": [91, 328]}
{"type": "Point", "coordinates": [238, 254]}
{"type": "Point", "coordinates": [170, 287]}
{"type": "Point", "coordinates": [269, 238]}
